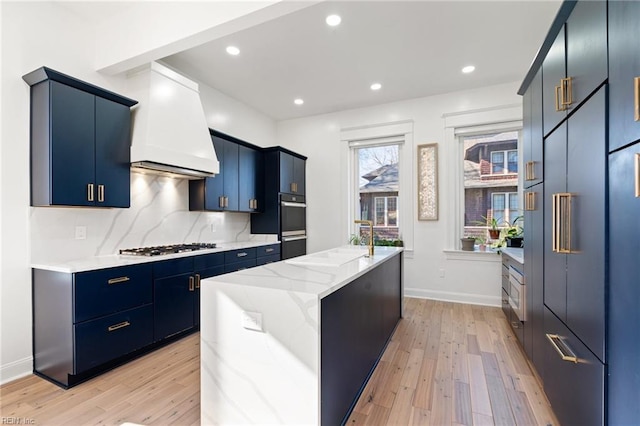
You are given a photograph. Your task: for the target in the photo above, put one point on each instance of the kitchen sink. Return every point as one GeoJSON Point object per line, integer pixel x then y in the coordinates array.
{"type": "Point", "coordinates": [333, 257]}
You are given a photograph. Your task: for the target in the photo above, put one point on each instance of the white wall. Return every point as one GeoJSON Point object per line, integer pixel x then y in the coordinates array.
{"type": "Point", "coordinates": [467, 278]}
{"type": "Point", "coordinates": [37, 34]}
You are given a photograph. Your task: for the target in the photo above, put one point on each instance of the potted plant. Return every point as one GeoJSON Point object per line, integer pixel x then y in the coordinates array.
{"type": "Point", "coordinates": [492, 226]}
{"type": "Point", "coordinates": [468, 243]}
{"type": "Point", "coordinates": [513, 233]}
{"type": "Point", "coordinates": [482, 244]}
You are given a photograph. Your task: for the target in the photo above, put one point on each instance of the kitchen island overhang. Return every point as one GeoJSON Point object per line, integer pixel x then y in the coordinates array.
{"type": "Point", "coordinates": [294, 342]}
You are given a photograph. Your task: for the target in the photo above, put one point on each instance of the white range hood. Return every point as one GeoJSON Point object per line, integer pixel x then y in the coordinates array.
{"type": "Point", "coordinates": [170, 131]}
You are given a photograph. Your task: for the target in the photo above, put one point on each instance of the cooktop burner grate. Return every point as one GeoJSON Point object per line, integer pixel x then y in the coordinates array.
{"type": "Point", "coordinates": [168, 249]}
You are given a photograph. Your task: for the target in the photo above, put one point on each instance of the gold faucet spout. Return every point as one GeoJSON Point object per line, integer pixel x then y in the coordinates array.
{"type": "Point", "coordinates": [370, 223]}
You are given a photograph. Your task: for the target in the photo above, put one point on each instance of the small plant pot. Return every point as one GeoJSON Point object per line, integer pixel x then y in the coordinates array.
{"type": "Point", "coordinates": [482, 247]}
{"type": "Point", "coordinates": [514, 242]}
{"type": "Point", "coordinates": [494, 234]}
{"type": "Point", "coordinates": [467, 243]}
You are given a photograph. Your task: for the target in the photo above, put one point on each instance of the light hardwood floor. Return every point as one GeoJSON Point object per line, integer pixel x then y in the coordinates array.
{"type": "Point", "coordinates": [447, 364]}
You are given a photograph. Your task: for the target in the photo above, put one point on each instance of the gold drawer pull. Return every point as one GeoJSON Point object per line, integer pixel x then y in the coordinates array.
{"type": "Point", "coordinates": [197, 280]}
{"type": "Point", "coordinates": [118, 280]}
{"type": "Point", "coordinates": [561, 347]}
{"type": "Point", "coordinates": [122, 324]}
{"type": "Point", "coordinates": [638, 175]}
{"type": "Point", "coordinates": [636, 90]}
{"type": "Point", "coordinates": [191, 283]}
{"type": "Point", "coordinates": [90, 192]}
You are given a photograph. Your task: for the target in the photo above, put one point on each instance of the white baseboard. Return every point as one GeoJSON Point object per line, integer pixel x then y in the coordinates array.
{"type": "Point", "coordinates": [449, 296]}
{"type": "Point", "coordinates": [16, 370]}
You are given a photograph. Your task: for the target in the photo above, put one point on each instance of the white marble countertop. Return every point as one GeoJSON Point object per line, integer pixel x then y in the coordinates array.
{"type": "Point", "coordinates": [115, 260]}
{"type": "Point", "coordinates": [516, 254]}
{"type": "Point", "coordinates": [314, 279]}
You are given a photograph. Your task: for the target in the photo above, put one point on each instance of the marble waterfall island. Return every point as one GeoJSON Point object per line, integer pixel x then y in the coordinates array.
{"type": "Point", "coordinates": [293, 342]}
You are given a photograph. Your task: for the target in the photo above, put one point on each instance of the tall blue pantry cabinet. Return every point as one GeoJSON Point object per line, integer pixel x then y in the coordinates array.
{"type": "Point", "coordinates": [582, 212]}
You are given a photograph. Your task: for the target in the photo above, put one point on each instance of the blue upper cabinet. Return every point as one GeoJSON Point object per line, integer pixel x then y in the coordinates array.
{"type": "Point", "coordinates": [624, 73]}
{"type": "Point", "coordinates": [576, 63]}
{"type": "Point", "coordinates": [80, 137]}
{"type": "Point", "coordinates": [292, 174]}
{"type": "Point", "coordinates": [239, 185]}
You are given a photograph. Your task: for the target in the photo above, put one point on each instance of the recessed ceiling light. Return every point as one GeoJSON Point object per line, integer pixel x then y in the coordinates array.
{"type": "Point", "coordinates": [232, 50]}
{"type": "Point", "coordinates": [298, 101]}
{"type": "Point", "coordinates": [376, 86]}
{"type": "Point", "coordinates": [333, 20]}
{"type": "Point", "coordinates": [468, 69]}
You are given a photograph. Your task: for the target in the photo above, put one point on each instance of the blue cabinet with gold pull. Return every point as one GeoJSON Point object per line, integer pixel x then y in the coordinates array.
{"type": "Point", "coordinates": [80, 139]}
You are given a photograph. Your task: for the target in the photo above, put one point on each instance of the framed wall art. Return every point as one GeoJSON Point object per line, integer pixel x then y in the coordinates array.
{"type": "Point", "coordinates": [428, 181]}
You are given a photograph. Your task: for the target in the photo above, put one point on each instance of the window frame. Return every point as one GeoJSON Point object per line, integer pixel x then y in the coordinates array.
{"type": "Point", "coordinates": [505, 162]}
{"type": "Point", "coordinates": [386, 212]}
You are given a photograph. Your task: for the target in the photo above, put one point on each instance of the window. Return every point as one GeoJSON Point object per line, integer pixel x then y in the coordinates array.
{"type": "Point", "coordinates": [377, 189]}
{"type": "Point", "coordinates": [490, 181]}
{"type": "Point", "coordinates": [386, 211]}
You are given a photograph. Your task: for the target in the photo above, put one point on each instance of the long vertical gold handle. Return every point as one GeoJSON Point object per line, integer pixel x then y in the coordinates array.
{"type": "Point", "coordinates": [90, 192]}
{"type": "Point", "coordinates": [101, 193]}
{"type": "Point", "coordinates": [561, 222]}
{"type": "Point", "coordinates": [191, 283]}
{"type": "Point", "coordinates": [554, 223]}
{"type": "Point", "coordinates": [638, 175]}
{"type": "Point", "coordinates": [636, 90]}
{"type": "Point", "coordinates": [561, 347]}
{"type": "Point", "coordinates": [557, 90]}
{"type": "Point", "coordinates": [567, 89]}
{"type": "Point", "coordinates": [197, 280]}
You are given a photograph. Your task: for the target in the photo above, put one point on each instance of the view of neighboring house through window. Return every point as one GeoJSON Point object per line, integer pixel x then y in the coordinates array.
{"type": "Point", "coordinates": [490, 181]}
{"type": "Point", "coordinates": [377, 170]}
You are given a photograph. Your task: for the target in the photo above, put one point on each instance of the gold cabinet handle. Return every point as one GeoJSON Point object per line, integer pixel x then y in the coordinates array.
{"type": "Point", "coordinates": [90, 192]}
{"type": "Point", "coordinates": [191, 283]}
{"type": "Point", "coordinates": [557, 90]}
{"type": "Point", "coordinates": [226, 201]}
{"type": "Point", "coordinates": [292, 186]}
{"type": "Point", "coordinates": [122, 324]}
{"type": "Point", "coordinates": [529, 171]}
{"type": "Point", "coordinates": [561, 222]}
{"type": "Point", "coordinates": [637, 175]}
{"type": "Point", "coordinates": [636, 90]}
{"type": "Point", "coordinates": [101, 193]}
{"type": "Point", "coordinates": [221, 201]}
{"type": "Point", "coordinates": [567, 92]}
{"type": "Point", "coordinates": [118, 280]}
{"type": "Point", "coordinates": [269, 250]}
{"type": "Point", "coordinates": [243, 254]}
{"type": "Point", "coordinates": [255, 203]}
{"type": "Point", "coordinates": [530, 201]}
{"type": "Point", "coordinates": [197, 280]}
{"type": "Point", "coordinates": [561, 347]}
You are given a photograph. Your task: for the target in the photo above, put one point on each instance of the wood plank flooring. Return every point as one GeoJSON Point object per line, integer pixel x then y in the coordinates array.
{"type": "Point", "coordinates": [447, 364]}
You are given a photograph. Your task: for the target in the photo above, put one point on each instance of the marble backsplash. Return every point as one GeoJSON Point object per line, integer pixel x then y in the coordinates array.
{"type": "Point", "coordinates": [159, 214]}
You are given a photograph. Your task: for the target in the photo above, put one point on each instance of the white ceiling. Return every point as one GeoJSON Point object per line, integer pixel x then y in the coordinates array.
{"type": "Point", "coordinates": [414, 48]}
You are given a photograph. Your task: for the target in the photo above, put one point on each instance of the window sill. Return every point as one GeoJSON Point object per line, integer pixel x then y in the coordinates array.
{"type": "Point", "coordinates": [475, 256]}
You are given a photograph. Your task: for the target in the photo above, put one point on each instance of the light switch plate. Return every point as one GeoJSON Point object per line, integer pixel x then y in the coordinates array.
{"type": "Point", "coordinates": [252, 321]}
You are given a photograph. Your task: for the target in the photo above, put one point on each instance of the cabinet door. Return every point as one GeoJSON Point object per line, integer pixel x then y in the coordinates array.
{"type": "Point", "coordinates": [534, 275]}
{"type": "Point", "coordinates": [248, 179]}
{"type": "Point", "coordinates": [72, 146]}
{"type": "Point", "coordinates": [586, 32]}
{"type": "Point", "coordinates": [555, 182]}
{"type": "Point", "coordinates": [299, 175]}
{"type": "Point", "coordinates": [173, 305]}
{"type": "Point", "coordinates": [624, 291]}
{"type": "Point", "coordinates": [113, 127]}
{"type": "Point", "coordinates": [624, 73]}
{"type": "Point", "coordinates": [586, 181]}
{"type": "Point", "coordinates": [286, 173]}
{"type": "Point", "coordinates": [230, 176]}
{"type": "Point", "coordinates": [536, 135]}
{"type": "Point", "coordinates": [553, 71]}
{"type": "Point", "coordinates": [214, 186]}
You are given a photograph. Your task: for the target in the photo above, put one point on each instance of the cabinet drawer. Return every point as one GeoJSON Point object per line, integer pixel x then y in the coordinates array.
{"type": "Point", "coordinates": [236, 266]}
{"type": "Point", "coordinates": [239, 255]}
{"type": "Point", "coordinates": [575, 390]}
{"type": "Point", "coordinates": [269, 250]}
{"type": "Point", "coordinates": [208, 261]}
{"type": "Point", "coordinates": [263, 260]}
{"type": "Point", "coordinates": [210, 272]}
{"type": "Point", "coordinates": [105, 291]}
{"type": "Point", "coordinates": [110, 337]}
{"type": "Point", "coordinates": [169, 268]}
{"type": "Point", "coordinates": [506, 308]}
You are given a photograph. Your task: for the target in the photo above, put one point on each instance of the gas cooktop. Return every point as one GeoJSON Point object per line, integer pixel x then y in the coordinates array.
{"type": "Point", "coordinates": [169, 249]}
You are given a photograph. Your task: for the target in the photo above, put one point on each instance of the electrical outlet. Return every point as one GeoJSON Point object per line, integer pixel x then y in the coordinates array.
{"type": "Point", "coordinates": [81, 232]}
{"type": "Point", "coordinates": [252, 320]}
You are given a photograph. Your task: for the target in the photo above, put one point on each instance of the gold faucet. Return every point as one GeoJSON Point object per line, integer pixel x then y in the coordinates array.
{"type": "Point", "coordinates": [370, 223]}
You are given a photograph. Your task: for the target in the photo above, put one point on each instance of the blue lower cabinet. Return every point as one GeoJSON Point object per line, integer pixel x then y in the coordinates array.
{"type": "Point", "coordinates": [573, 376]}
{"type": "Point", "coordinates": [105, 339]}
{"type": "Point", "coordinates": [263, 260]}
{"type": "Point", "coordinates": [238, 266]}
